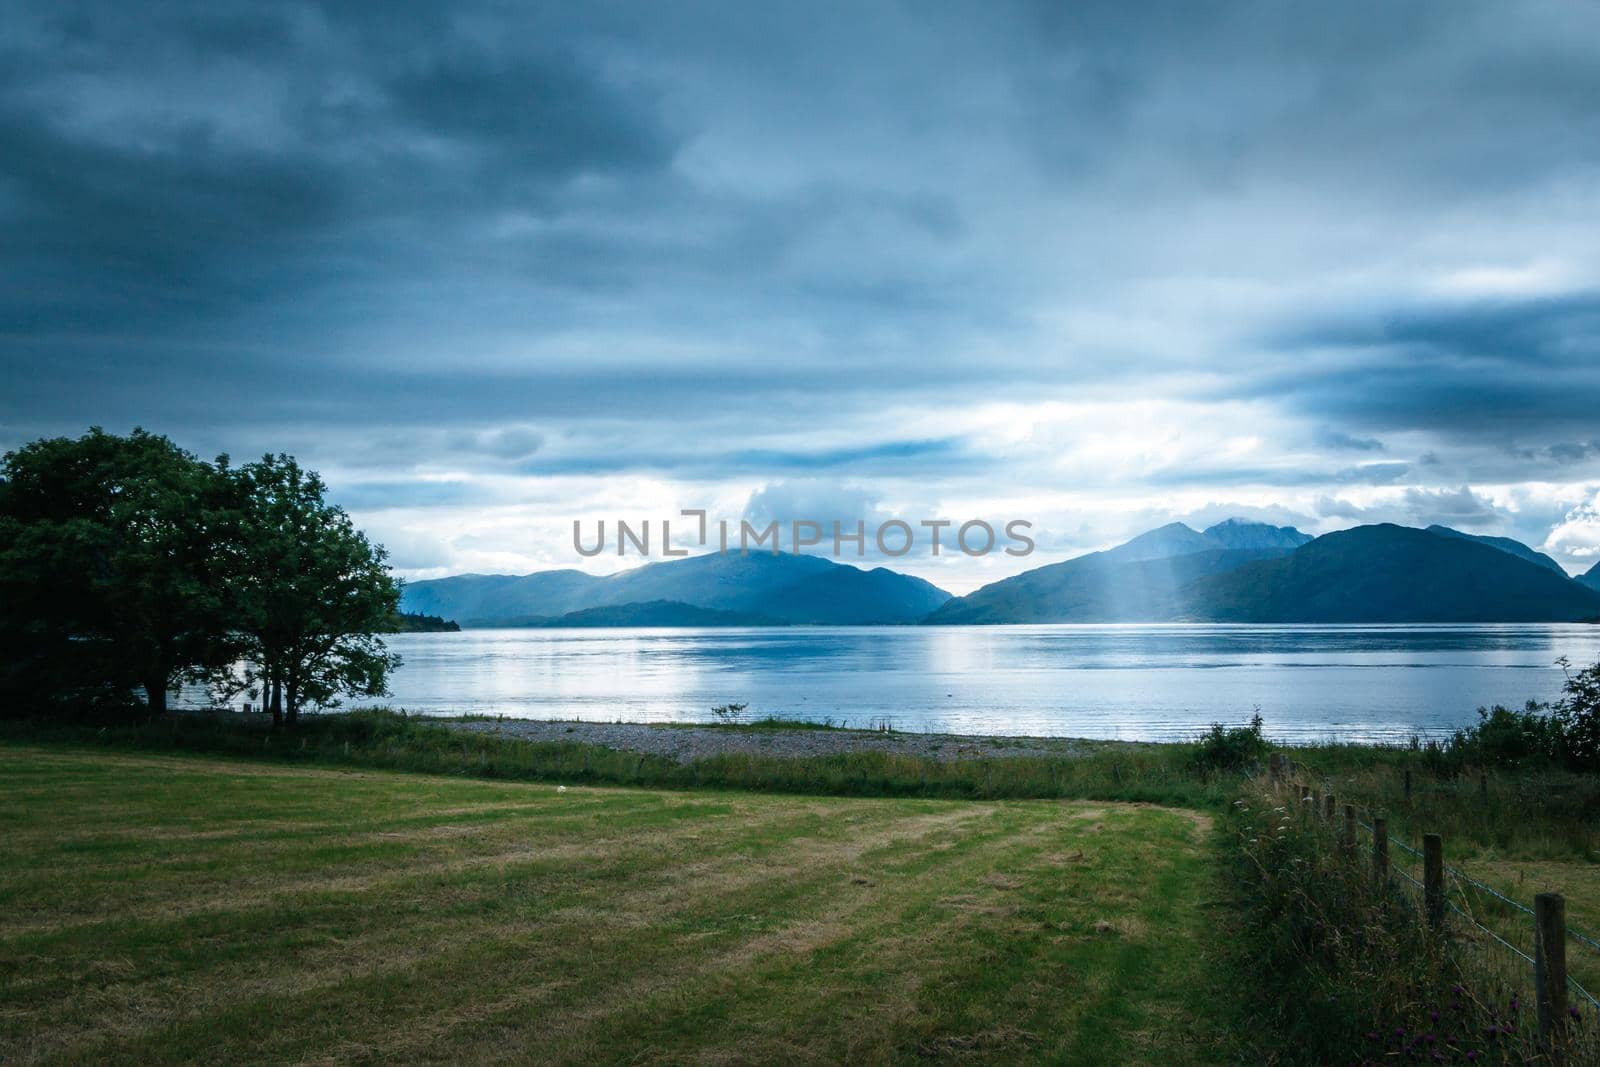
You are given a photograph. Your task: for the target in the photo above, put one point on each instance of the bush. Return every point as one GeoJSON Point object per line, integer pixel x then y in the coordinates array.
{"type": "Point", "coordinates": [1576, 717]}
{"type": "Point", "coordinates": [1566, 732]}
{"type": "Point", "coordinates": [1506, 737]}
{"type": "Point", "coordinates": [1231, 748]}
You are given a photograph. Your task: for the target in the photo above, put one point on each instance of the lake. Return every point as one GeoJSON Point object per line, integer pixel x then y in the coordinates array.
{"type": "Point", "coordinates": [1145, 682]}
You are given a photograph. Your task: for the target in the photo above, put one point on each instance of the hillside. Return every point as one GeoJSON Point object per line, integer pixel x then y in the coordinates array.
{"type": "Point", "coordinates": [1387, 573]}
{"type": "Point", "coordinates": [1241, 571]}
{"type": "Point", "coordinates": [1504, 544]}
{"type": "Point", "coordinates": [650, 613]}
{"type": "Point", "coordinates": [785, 588]}
{"type": "Point", "coordinates": [1138, 581]}
{"type": "Point", "coordinates": [1094, 588]}
{"type": "Point", "coordinates": [1591, 577]}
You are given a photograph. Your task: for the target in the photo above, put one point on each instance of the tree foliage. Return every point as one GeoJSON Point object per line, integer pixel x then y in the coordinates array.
{"type": "Point", "coordinates": [310, 590]}
{"type": "Point", "coordinates": [1565, 731]}
{"type": "Point", "coordinates": [108, 573]}
{"type": "Point", "coordinates": [126, 563]}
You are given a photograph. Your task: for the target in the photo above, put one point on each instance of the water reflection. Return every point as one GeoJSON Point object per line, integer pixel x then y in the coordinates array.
{"type": "Point", "coordinates": [1130, 681]}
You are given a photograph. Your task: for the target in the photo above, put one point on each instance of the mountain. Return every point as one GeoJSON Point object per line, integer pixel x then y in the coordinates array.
{"type": "Point", "coordinates": [1099, 587]}
{"type": "Point", "coordinates": [1243, 534]}
{"type": "Point", "coordinates": [472, 598]}
{"type": "Point", "coordinates": [1241, 571]}
{"type": "Point", "coordinates": [1138, 581]}
{"type": "Point", "coordinates": [651, 613]}
{"type": "Point", "coordinates": [1591, 578]}
{"type": "Point", "coordinates": [786, 588]}
{"type": "Point", "coordinates": [1504, 544]}
{"type": "Point", "coordinates": [1164, 542]}
{"type": "Point", "coordinates": [1387, 573]}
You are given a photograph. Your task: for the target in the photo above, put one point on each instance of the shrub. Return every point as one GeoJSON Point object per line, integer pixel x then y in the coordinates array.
{"type": "Point", "coordinates": [1231, 748]}
{"type": "Point", "coordinates": [1565, 732]}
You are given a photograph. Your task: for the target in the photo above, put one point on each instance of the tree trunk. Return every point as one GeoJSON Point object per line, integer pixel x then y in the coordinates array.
{"type": "Point", "coordinates": [155, 694]}
{"type": "Point", "coordinates": [292, 698]}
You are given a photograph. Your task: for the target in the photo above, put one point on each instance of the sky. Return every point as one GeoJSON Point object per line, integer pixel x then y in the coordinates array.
{"type": "Point", "coordinates": [492, 268]}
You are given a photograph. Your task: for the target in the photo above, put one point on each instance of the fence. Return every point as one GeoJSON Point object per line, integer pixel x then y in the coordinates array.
{"type": "Point", "coordinates": [1441, 886]}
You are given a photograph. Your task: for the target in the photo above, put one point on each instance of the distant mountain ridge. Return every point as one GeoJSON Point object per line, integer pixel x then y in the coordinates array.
{"type": "Point", "coordinates": [1234, 571]}
{"type": "Point", "coordinates": [650, 613]}
{"type": "Point", "coordinates": [1239, 571]}
{"type": "Point", "coordinates": [1504, 544]}
{"type": "Point", "coordinates": [1387, 573]}
{"type": "Point", "coordinates": [786, 588]}
{"type": "Point", "coordinates": [1137, 581]}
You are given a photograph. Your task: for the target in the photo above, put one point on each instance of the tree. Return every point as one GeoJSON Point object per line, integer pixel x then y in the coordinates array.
{"type": "Point", "coordinates": [1577, 717]}
{"type": "Point", "coordinates": [310, 592]}
{"type": "Point", "coordinates": [107, 568]}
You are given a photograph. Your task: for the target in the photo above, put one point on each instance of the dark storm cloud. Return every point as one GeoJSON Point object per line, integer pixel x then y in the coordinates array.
{"type": "Point", "coordinates": [718, 242]}
{"type": "Point", "coordinates": [1506, 366]}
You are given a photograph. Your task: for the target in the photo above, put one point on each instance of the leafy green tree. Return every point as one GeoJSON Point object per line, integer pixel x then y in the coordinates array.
{"type": "Point", "coordinates": [1577, 717]}
{"type": "Point", "coordinates": [107, 569]}
{"type": "Point", "coordinates": [310, 592]}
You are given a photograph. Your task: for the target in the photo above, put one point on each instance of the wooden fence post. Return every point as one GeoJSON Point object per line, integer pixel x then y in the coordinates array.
{"type": "Point", "coordinates": [1483, 787]}
{"type": "Point", "coordinates": [1433, 879]}
{"type": "Point", "coordinates": [1350, 827]}
{"type": "Point", "coordinates": [1550, 964]}
{"type": "Point", "coordinates": [1328, 808]}
{"type": "Point", "coordinates": [1408, 785]}
{"type": "Point", "coordinates": [1316, 803]}
{"type": "Point", "coordinates": [1380, 850]}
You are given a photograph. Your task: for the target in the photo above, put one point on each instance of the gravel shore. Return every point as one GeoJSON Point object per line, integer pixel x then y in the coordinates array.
{"type": "Point", "coordinates": [687, 743]}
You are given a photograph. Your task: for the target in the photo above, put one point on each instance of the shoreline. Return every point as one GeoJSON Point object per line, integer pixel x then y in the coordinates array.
{"type": "Point", "coordinates": [686, 742]}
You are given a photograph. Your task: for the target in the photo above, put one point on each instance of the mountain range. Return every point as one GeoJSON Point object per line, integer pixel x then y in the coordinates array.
{"type": "Point", "coordinates": [783, 589]}
{"type": "Point", "coordinates": [1235, 571]}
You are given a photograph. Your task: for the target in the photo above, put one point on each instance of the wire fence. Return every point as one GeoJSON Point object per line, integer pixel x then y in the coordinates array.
{"type": "Point", "coordinates": [1465, 884]}
{"type": "Point", "coordinates": [1463, 879]}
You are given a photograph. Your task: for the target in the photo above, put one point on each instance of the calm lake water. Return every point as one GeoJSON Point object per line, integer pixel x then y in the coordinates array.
{"type": "Point", "coordinates": [1134, 681]}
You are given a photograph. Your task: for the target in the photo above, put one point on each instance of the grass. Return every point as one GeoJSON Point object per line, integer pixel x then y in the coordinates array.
{"type": "Point", "coordinates": [1165, 774]}
{"type": "Point", "coordinates": [865, 906]}
{"type": "Point", "coordinates": [1344, 969]}
{"type": "Point", "coordinates": [1522, 831]}
{"type": "Point", "coordinates": [163, 908]}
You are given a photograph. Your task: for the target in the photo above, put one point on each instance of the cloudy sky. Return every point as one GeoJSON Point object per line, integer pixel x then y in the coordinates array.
{"type": "Point", "coordinates": [491, 268]}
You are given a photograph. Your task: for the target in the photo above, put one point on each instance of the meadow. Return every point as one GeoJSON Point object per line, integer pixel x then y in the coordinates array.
{"type": "Point", "coordinates": [373, 886]}
{"type": "Point", "coordinates": [181, 908]}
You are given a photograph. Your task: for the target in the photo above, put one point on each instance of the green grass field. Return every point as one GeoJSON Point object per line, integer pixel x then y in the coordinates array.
{"type": "Point", "coordinates": [181, 908]}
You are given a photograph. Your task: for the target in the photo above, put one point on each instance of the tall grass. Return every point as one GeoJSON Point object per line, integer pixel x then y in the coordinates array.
{"type": "Point", "coordinates": [1166, 774]}
{"type": "Point", "coordinates": [1333, 966]}
{"type": "Point", "coordinates": [1532, 812]}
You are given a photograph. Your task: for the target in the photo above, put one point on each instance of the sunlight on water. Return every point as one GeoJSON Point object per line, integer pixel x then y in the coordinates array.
{"type": "Point", "coordinates": [1132, 682]}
